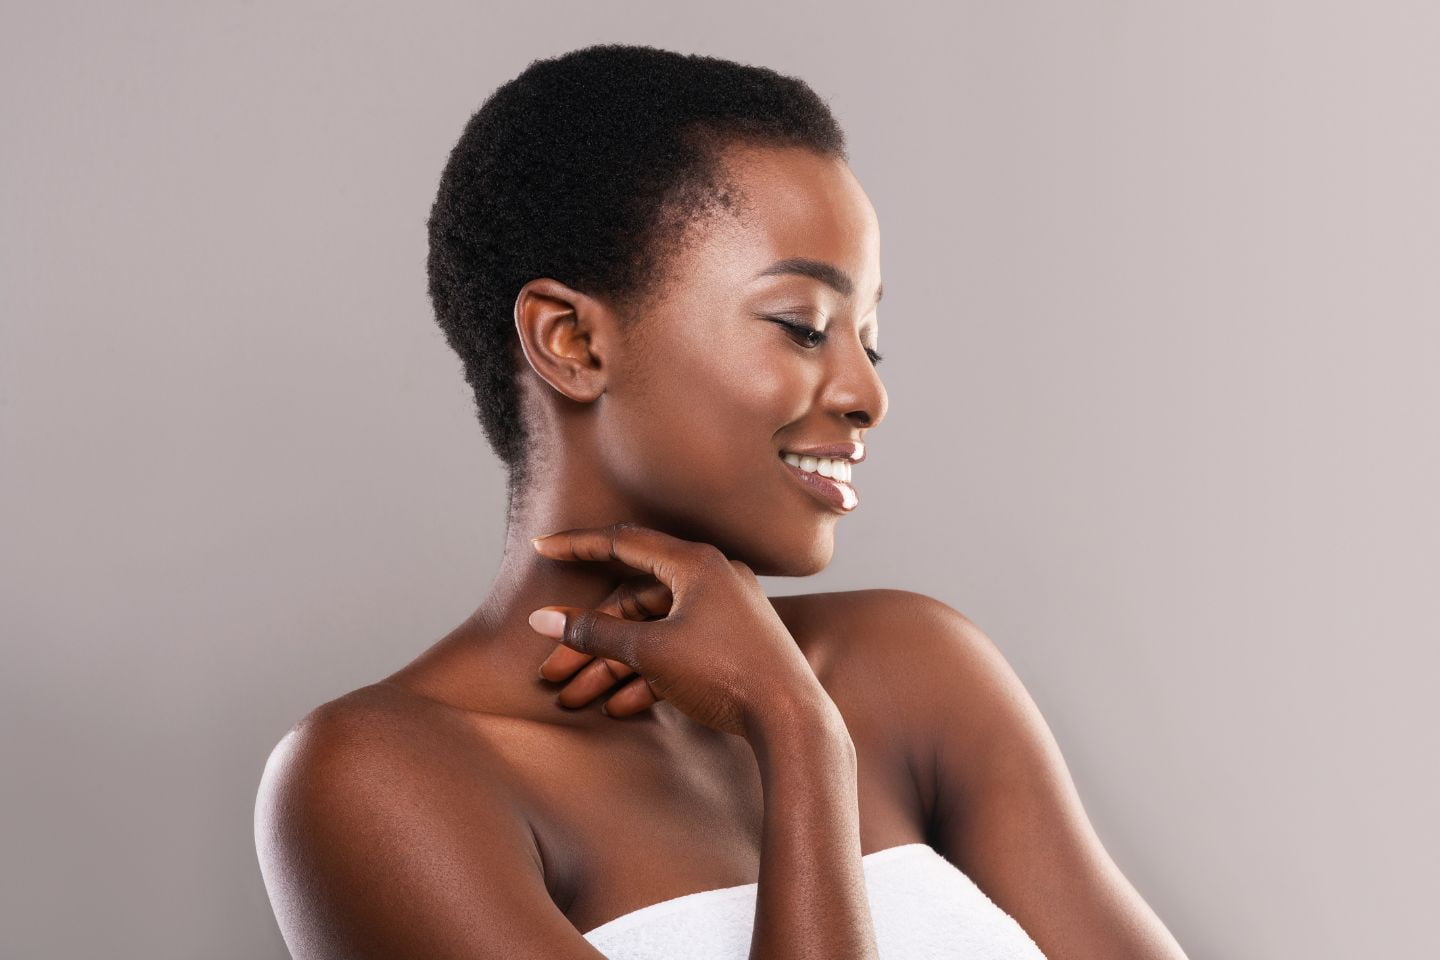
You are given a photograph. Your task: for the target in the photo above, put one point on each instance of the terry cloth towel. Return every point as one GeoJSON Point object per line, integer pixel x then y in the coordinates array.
{"type": "Point", "coordinates": [922, 905]}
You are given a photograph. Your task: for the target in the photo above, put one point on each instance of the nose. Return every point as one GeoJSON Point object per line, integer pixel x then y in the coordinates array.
{"type": "Point", "coordinates": [854, 389]}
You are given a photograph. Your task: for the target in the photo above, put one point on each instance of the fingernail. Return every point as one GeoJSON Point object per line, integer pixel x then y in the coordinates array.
{"type": "Point", "coordinates": [551, 623]}
{"type": "Point", "coordinates": [535, 540]}
{"type": "Point", "coordinates": [605, 709]}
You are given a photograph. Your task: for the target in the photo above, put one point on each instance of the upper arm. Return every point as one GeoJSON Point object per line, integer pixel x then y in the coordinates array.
{"type": "Point", "coordinates": [375, 840]}
{"type": "Point", "coordinates": [1004, 807]}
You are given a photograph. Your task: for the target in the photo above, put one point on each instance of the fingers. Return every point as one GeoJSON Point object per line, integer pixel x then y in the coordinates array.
{"type": "Point", "coordinates": [634, 697]}
{"type": "Point", "coordinates": [562, 662]}
{"type": "Point", "coordinates": [594, 679]}
{"type": "Point", "coordinates": [594, 646]}
{"type": "Point", "coordinates": [671, 560]}
{"type": "Point", "coordinates": [597, 678]}
{"type": "Point", "coordinates": [639, 598]}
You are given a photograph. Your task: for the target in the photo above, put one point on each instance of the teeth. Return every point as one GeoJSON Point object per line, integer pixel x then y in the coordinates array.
{"type": "Point", "coordinates": [835, 469]}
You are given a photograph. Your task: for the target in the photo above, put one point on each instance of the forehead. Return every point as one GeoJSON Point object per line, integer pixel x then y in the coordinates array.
{"type": "Point", "coordinates": [793, 203]}
{"type": "Point", "coordinates": [792, 193]}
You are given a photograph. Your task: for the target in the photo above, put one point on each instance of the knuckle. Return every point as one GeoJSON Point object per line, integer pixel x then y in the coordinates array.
{"type": "Point", "coordinates": [580, 630]}
{"type": "Point", "coordinates": [707, 553]}
{"type": "Point", "coordinates": [631, 606]}
{"type": "Point", "coordinates": [641, 603]}
{"type": "Point", "coordinates": [616, 530]}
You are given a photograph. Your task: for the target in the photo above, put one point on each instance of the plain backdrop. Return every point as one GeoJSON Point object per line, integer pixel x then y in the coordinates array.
{"type": "Point", "coordinates": [1160, 330]}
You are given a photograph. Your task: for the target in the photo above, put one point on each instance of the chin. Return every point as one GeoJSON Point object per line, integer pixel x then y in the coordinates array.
{"type": "Point", "coordinates": [801, 547]}
{"type": "Point", "coordinates": [793, 555]}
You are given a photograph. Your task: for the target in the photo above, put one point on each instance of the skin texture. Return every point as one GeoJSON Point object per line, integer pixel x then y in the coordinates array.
{"type": "Point", "coordinates": [466, 807]}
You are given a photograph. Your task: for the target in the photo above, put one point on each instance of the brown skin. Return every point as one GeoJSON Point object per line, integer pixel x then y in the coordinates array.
{"type": "Point", "coordinates": [459, 808]}
{"type": "Point", "coordinates": [726, 659]}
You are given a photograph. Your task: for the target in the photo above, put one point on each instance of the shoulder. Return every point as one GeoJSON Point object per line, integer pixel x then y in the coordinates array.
{"type": "Point", "coordinates": [377, 754]}
{"type": "Point", "coordinates": [898, 633]}
{"type": "Point", "coordinates": [383, 830]}
{"type": "Point", "coordinates": [877, 606]}
{"type": "Point", "coordinates": [998, 798]}
{"type": "Point", "coordinates": [916, 665]}
{"type": "Point", "coordinates": [383, 734]}
{"type": "Point", "coordinates": [375, 792]}
{"type": "Point", "coordinates": [381, 723]}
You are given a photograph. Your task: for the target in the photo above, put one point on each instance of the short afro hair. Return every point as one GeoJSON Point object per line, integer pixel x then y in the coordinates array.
{"type": "Point", "coordinates": [587, 168]}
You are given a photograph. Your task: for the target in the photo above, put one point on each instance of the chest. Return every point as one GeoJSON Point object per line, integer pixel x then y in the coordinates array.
{"type": "Point", "coordinates": [627, 818]}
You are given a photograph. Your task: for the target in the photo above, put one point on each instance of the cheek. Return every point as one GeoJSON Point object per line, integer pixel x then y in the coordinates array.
{"type": "Point", "coordinates": [695, 421]}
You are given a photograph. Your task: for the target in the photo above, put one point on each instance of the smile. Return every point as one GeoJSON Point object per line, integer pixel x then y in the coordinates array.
{"type": "Point", "coordinates": [825, 478]}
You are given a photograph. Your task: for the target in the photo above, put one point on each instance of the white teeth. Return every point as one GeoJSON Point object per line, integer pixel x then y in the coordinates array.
{"type": "Point", "coordinates": [835, 469]}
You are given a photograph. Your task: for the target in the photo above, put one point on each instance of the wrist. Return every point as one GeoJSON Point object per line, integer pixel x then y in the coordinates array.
{"type": "Point", "coordinates": [808, 727]}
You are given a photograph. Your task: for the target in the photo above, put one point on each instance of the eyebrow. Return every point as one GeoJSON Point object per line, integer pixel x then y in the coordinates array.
{"type": "Point", "coordinates": [827, 273]}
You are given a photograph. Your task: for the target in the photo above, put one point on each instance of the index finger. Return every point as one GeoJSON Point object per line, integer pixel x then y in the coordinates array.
{"type": "Point", "coordinates": [668, 559]}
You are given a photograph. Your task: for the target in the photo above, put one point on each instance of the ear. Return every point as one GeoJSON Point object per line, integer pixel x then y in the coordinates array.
{"type": "Point", "coordinates": [566, 336]}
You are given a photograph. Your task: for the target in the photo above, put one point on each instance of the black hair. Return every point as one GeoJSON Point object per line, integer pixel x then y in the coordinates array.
{"type": "Point", "coordinates": [587, 168]}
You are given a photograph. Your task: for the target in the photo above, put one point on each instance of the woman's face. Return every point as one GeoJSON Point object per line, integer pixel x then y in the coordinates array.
{"type": "Point", "coordinates": [708, 391]}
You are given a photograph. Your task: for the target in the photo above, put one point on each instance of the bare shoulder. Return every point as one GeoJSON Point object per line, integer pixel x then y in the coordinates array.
{"type": "Point", "coordinates": [377, 727]}
{"type": "Point", "coordinates": [382, 829]}
{"type": "Point", "coordinates": [881, 641]}
{"type": "Point", "coordinates": [907, 665]}
{"type": "Point", "coordinates": [999, 799]}
{"type": "Point", "coordinates": [378, 754]}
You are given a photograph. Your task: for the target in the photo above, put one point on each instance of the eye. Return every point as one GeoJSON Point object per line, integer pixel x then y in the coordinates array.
{"type": "Point", "coordinates": [813, 338]}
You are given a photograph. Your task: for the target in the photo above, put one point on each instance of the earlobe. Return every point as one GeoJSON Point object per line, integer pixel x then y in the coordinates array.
{"type": "Point", "coordinates": [559, 335]}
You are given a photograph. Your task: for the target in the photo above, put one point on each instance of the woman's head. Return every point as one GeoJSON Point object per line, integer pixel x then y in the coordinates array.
{"type": "Point", "coordinates": [599, 249]}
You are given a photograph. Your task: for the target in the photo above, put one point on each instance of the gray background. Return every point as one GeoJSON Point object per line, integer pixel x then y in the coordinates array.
{"type": "Point", "coordinates": [1160, 337]}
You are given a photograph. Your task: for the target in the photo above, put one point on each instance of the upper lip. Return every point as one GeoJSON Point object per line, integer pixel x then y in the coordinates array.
{"type": "Point", "coordinates": [852, 450]}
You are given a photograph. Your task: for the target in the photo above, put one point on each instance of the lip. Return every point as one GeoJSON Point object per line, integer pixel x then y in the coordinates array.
{"type": "Point", "coordinates": [832, 493]}
{"type": "Point", "coordinates": [852, 450]}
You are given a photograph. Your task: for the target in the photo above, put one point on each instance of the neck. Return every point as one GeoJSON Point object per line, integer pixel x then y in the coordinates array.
{"type": "Point", "coordinates": [489, 662]}
{"type": "Point", "coordinates": [527, 581]}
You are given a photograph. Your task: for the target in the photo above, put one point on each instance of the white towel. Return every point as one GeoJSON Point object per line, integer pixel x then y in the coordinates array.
{"type": "Point", "coordinates": [923, 907]}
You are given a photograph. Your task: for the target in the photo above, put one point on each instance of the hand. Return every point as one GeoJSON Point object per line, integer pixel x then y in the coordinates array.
{"type": "Point", "coordinates": [586, 676]}
{"type": "Point", "coordinates": [722, 655]}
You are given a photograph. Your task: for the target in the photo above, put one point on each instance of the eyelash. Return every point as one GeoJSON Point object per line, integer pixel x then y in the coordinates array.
{"type": "Point", "coordinates": [821, 337]}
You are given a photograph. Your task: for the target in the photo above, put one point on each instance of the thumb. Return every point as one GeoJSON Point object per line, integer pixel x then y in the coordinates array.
{"type": "Point", "coordinates": [589, 631]}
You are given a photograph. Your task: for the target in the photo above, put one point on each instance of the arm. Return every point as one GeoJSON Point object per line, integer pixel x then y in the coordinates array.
{"type": "Point", "coordinates": [811, 900]}
{"type": "Point", "coordinates": [1005, 809]}
{"type": "Point", "coordinates": [379, 838]}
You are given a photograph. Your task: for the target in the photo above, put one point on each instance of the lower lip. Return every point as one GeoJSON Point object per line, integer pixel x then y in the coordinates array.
{"type": "Point", "coordinates": [833, 493]}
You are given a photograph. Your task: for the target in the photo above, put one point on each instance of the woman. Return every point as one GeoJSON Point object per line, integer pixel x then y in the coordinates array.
{"type": "Point", "coordinates": [661, 277]}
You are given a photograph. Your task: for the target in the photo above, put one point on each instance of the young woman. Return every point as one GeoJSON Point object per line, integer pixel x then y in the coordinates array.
{"type": "Point", "coordinates": [661, 277]}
